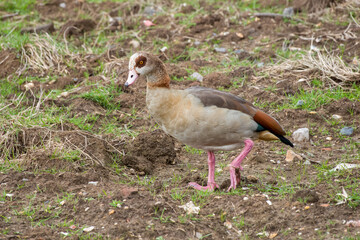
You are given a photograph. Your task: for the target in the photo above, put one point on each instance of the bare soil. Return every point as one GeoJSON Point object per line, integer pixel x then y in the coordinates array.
{"type": "Point", "coordinates": [149, 210]}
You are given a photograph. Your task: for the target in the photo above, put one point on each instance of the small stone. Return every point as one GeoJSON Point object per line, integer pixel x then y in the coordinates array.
{"type": "Point", "coordinates": [228, 225]}
{"type": "Point", "coordinates": [312, 112]}
{"type": "Point", "coordinates": [273, 235]}
{"type": "Point", "coordinates": [307, 162]}
{"type": "Point", "coordinates": [93, 183]}
{"type": "Point", "coordinates": [64, 233]}
{"type": "Point", "coordinates": [306, 207]}
{"type": "Point", "coordinates": [29, 86]}
{"type": "Point", "coordinates": [150, 11]}
{"type": "Point", "coordinates": [224, 33]}
{"type": "Point", "coordinates": [260, 64]}
{"type": "Point", "coordinates": [336, 117]}
{"type": "Point", "coordinates": [301, 135]}
{"type": "Point", "coordinates": [239, 51]}
{"type": "Point", "coordinates": [325, 205]}
{"type": "Point", "coordinates": [347, 131]}
{"type": "Point", "coordinates": [64, 94]}
{"type": "Point", "coordinates": [329, 138]}
{"type": "Point", "coordinates": [326, 149]}
{"type": "Point", "coordinates": [134, 43]}
{"type": "Point", "coordinates": [240, 35]}
{"type": "Point", "coordinates": [72, 227]}
{"type": "Point", "coordinates": [291, 155]}
{"type": "Point", "coordinates": [62, 202]}
{"type": "Point", "coordinates": [62, 5]}
{"type": "Point", "coordinates": [198, 235]}
{"type": "Point", "coordinates": [197, 43]}
{"type": "Point", "coordinates": [163, 49]}
{"type": "Point", "coordinates": [245, 198]}
{"type": "Point", "coordinates": [197, 76]}
{"type": "Point", "coordinates": [288, 12]}
{"type": "Point", "coordinates": [9, 194]}
{"type": "Point", "coordinates": [300, 103]}
{"type": "Point", "coordinates": [126, 207]}
{"type": "Point", "coordinates": [269, 202]}
{"type": "Point", "coordinates": [86, 209]}
{"type": "Point", "coordinates": [89, 229]}
{"type": "Point", "coordinates": [111, 211]}
{"type": "Point", "coordinates": [25, 179]}
{"type": "Point", "coordinates": [220, 50]}
{"type": "Point", "coordinates": [252, 178]}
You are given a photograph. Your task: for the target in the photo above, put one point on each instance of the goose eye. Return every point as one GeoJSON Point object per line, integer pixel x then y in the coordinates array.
{"type": "Point", "coordinates": [141, 62]}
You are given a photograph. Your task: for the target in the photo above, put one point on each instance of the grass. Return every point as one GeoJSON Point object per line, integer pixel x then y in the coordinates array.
{"type": "Point", "coordinates": [117, 122]}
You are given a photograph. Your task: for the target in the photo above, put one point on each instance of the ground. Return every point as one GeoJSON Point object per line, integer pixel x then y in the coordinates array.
{"type": "Point", "coordinates": [81, 158]}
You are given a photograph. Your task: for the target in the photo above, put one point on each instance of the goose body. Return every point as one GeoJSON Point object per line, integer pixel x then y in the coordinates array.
{"type": "Point", "coordinates": [203, 118]}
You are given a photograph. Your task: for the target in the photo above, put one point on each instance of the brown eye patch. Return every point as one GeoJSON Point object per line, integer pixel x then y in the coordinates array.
{"type": "Point", "coordinates": [140, 61]}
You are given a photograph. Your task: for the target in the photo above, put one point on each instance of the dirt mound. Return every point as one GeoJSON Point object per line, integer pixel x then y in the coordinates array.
{"type": "Point", "coordinates": [42, 148]}
{"type": "Point", "coordinates": [9, 63]}
{"type": "Point", "coordinates": [83, 107]}
{"type": "Point", "coordinates": [76, 28]}
{"type": "Point", "coordinates": [149, 151]}
{"type": "Point", "coordinates": [314, 5]}
{"type": "Point", "coordinates": [344, 107]}
{"type": "Point", "coordinates": [217, 80]}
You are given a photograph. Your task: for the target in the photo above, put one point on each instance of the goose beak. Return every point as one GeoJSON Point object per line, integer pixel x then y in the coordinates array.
{"type": "Point", "coordinates": [133, 75]}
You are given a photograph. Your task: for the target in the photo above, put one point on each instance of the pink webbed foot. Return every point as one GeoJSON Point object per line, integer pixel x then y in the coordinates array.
{"type": "Point", "coordinates": [235, 166]}
{"type": "Point", "coordinates": [235, 177]}
{"type": "Point", "coordinates": [211, 186]}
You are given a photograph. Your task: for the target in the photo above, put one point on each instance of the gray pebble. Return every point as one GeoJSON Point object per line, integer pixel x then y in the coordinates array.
{"type": "Point", "coordinates": [260, 64]}
{"type": "Point", "coordinates": [347, 131]}
{"type": "Point", "coordinates": [220, 50]}
{"type": "Point", "coordinates": [301, 135]}
{"type": "Point", "coordinates": [299, 103]}
{"type": "Point", "coordinates": [288, 12]}
{"type": "Point", "coordinates": [197, 43]}
{"type": "Point", "coordinates": [197, 76]}
{"type": "Point", "coordinates": [150, 11]}
{"type": "Point", "coordinates": [239, 51]}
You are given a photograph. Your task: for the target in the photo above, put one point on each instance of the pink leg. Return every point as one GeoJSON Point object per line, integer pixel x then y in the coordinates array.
{"type": "Point", "coordinates": [211, 185]}
{"type": "Point", "coordinates": [235, 165]}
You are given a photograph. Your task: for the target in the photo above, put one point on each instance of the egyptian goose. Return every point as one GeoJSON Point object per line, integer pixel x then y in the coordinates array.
{"type": "Point", "coordinates": [203, 118]}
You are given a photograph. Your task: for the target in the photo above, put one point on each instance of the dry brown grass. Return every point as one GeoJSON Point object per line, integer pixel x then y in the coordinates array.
{"type": "Point", "coordinates": [330, 68]}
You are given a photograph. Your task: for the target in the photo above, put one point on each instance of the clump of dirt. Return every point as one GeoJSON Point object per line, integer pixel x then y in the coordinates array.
{"type": "Point", "coordinates": [187, 8]}
{"type": "Point", "coordinates": [206, 23]}
{"type": "Point", "coordinates": [241, 72]}
{"type": "Point", "coordinates": [344, 107]}
{"type": "Point", "coordinates": [163, 33]}
{"type": "Point", "coordinates": [83, 107]}
{"type": "Point", "coordinates": [177, 52]}
{"type": "Point", "coordinates": [42, 148]}
{"type": "Point", "coordinates": [175, 71]}
{"type": "Point", "coordinates": [314, 5]}
{"type": "Point", "coordinates": [9, 63]}
{"type": "Point", "coordinates": [149, 151]}
{"type": "Point", "coordinates": [306, 196]}
{"type": "Point", "coordinates": [76, 28]}
{"type": "Point", "coordinates": [217, 80]}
